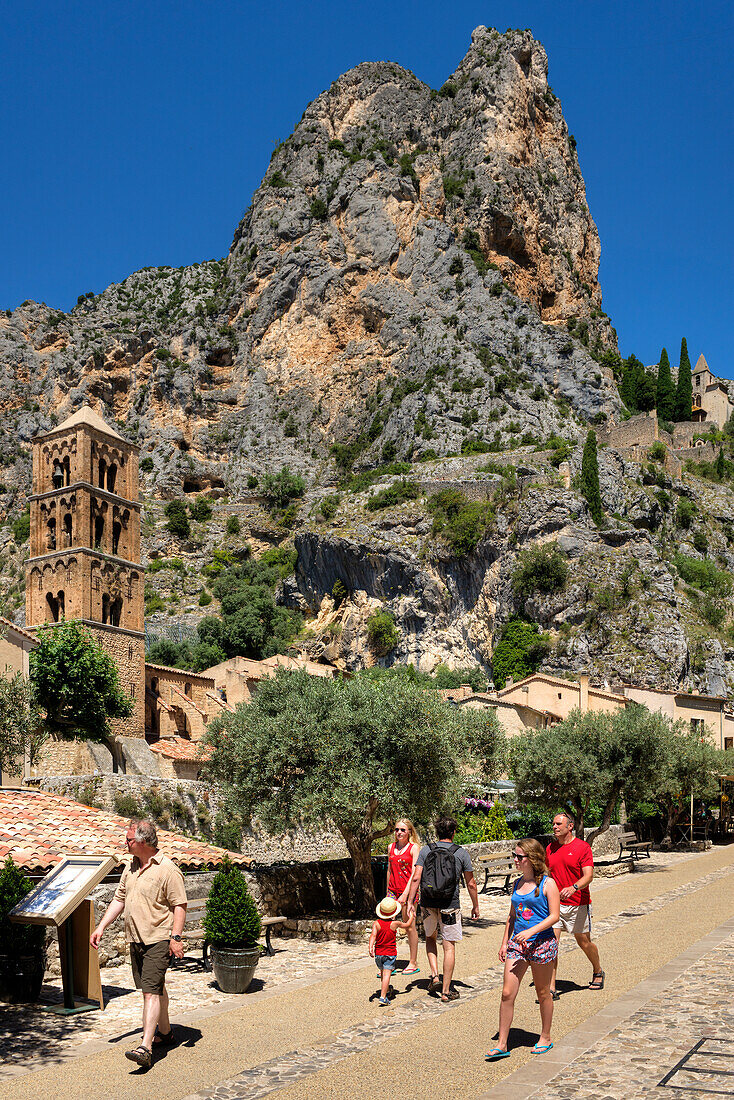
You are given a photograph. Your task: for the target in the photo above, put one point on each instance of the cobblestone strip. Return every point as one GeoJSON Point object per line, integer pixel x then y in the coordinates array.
{"type": "Point", "coordinates": [278, 1073]}
{"type": "Point", "coordinates": [632, 1059]}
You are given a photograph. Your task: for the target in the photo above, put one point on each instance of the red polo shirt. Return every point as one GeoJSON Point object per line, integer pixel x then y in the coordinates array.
{"type": "Point", "coordinates": [567, 863]}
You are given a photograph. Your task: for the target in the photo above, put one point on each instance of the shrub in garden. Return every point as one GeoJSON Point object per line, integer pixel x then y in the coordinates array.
{"type": "Point", "coordinates": [232, 919]}
{"type": "Point", "coordinates": [17, 939]}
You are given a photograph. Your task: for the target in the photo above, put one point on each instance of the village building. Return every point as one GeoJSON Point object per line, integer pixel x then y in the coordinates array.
{"type": "Point", "coordinates": [84, 559]}
{"type": "Point", "coordinates": [514, 718]}
{"type": "Point", "coordinates": [556, 698]}
{"type": "Point", "coordinates": [237, 679]}
{"type": "Point", "coordinates": [711, 401]}
{"type": "Point", "coordinates": [705, 715]}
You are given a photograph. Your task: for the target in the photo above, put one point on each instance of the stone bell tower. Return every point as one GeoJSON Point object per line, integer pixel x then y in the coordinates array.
{"type": "Point", "coordinates": [85, 545]}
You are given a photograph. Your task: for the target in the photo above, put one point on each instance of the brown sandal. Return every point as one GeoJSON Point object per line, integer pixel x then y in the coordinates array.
{"type": "Point", "coordinates": [161, 1039]}
{"type": "Point", "coordinates": [452, 995]}
{"type": "Point", "coordinates": [141, 1055]}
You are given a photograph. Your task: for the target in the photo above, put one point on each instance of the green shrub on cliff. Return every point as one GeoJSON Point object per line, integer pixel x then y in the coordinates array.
{"type": "Point", "coordinates": [541, 569]}
{"type": "Point", "coordinates": [519, 652]}
{"type": "Point", "coordinates": [461, 522]}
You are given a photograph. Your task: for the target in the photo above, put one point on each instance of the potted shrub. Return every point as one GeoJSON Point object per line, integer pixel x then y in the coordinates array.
{"type": "Point", "coordinates": [22, 946]}
{"type": "Point", "coordinates": [232, 926]}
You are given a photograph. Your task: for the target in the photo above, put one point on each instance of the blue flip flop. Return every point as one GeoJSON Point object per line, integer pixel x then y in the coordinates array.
{"type": "Point", "coordinates": [495, 1054]}
{"type": "Point", "coordinates": [538, 1049]}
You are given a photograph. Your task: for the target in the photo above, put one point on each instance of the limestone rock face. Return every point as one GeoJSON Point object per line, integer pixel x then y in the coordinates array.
{"type": "Point", "coordinates": [401, 280]}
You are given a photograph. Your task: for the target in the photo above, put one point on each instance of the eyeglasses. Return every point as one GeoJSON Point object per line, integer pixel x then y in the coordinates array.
{"type": "Point", "coordinates": [401, 830]}
{"type": "Point", "coordinates": [519, 856]}
{"type": "Point", "coordinates": [129, 839]}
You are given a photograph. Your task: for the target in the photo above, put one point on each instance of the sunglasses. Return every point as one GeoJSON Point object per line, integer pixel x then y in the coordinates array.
{"type": "Point", "coordinates": [401, 830]}
{"type": "Point", "coordinates": [519, 856]}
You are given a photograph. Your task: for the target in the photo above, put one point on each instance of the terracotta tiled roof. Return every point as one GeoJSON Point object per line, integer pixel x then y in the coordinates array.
{"type": "Point", "coordinates": [38, 828]}
{"type": "Point", "coordinates": [183, 672]}
{"type": "Point", "coordinates": [5, 623]}
{"type": "Point", "coordinates": [181, 748]}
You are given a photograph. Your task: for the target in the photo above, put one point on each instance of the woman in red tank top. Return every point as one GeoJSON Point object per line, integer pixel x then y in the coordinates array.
{"type": "Point", "coordinates": [401, 855]}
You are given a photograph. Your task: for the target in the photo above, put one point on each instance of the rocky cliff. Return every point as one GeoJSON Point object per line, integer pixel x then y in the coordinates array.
{"type": "Point", "coordinates": [416, 278]}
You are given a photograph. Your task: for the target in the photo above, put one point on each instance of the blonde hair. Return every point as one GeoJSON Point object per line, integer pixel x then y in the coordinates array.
{"type": "Point", "coordinates": [536, 854]}
{"type": "Point", "coordinates": [413, 837]}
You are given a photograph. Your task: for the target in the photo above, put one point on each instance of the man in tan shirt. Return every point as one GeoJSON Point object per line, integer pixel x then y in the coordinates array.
{"type": "Point", "coordinates": [152, 895]}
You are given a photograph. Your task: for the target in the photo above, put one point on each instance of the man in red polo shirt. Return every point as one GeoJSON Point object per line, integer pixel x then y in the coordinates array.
{"type": "Point", "coordinates": [571, 866]}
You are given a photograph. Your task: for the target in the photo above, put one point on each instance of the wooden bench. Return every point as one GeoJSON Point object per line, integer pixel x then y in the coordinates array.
{"type": "Point", "coordinates": [628, 842]}
{"type": "Point", "coordinates": [194, 914]}
{"type": "Point", "coordinates": [499, 869]}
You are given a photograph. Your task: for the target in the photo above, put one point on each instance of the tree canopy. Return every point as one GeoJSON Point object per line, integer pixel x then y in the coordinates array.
{"type": "Point", "coordinates": [76, 683]}
{"type": "Point", "coordinates": [590, 490]}
{"type": "Point", "coordinates": [665, 394]}
{"type": "Point", "coordinates": [21, 729]}
{"type": "Point", "coordinates": [590, 757]}
{"type": "Point", "coordinates": [356, 753]}
{"type": "Point", "coordinates": [684, 386]}
{"type": "Point", "coordinates": [250, 623]}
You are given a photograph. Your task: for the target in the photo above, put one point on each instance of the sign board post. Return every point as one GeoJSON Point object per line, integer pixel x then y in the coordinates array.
{"type": "Point", "coordinates": [61, 900]}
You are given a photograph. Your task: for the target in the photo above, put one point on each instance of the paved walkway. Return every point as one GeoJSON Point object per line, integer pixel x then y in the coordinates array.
{"type": "Point", "coordinates": [321, 1035]}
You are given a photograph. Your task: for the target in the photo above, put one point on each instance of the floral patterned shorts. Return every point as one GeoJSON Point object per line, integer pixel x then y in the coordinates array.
{"type": "Point", "coordinates": [537, 951]}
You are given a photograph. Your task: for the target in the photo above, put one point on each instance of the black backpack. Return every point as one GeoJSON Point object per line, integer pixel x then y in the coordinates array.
{"type": "Point", "coordinates": [440, 877]}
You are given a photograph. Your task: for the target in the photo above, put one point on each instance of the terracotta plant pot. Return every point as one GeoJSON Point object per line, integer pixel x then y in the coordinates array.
{"type": "Point", "coordinates": [234, 967]}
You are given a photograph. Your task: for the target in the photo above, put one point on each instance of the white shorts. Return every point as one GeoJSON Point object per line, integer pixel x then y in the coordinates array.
{"type": "Point", "coordinates": [575, 919]}
{"type": "Point", "coordinates": [448, 920]}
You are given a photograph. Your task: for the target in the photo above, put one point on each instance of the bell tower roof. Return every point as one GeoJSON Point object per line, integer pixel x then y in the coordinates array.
{"type": "Point", "coordinates": [87, 415]}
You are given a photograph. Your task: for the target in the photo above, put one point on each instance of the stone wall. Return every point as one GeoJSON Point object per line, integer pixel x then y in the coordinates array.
{"type": "Point", "coordinates": [127, 650]}
{"type": "Point", "coordinates": [701, 452]}
{"type": "Point", "coordinates": [640, 430]}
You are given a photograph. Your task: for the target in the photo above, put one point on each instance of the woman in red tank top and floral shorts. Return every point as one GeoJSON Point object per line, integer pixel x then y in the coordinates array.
{"type": "Point", "coordinates": [401, 856]}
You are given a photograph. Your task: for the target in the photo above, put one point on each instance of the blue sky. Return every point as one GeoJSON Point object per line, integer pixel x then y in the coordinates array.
{"type": "Point", "coordinates": [134, 134]}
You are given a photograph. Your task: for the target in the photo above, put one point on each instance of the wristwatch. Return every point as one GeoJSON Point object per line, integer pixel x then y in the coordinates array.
{"type": "Point", "coordinates": [177, 938]}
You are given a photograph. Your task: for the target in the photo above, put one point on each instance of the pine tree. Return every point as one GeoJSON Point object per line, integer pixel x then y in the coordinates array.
{"type": "Point", "coordinates": [628, 389]}
{"type": "Point", "coordinates": [665, 390]}
{"type": "Point", "coordinates": [684, 389]}
{"type": "Point", "coordinates": [646, 389]}
{"type": "Point", "coordinates": [590, 478]}
{"type": "Point", "coordinates": [720, 465]}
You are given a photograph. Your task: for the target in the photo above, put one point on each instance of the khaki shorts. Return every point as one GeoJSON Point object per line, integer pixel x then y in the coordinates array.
{"type": "Point", "coordinates": [150, 963]}
{"type": "Point", "coordinates": [448, 920]}
{"type": "Point", "coordinates": [575, 919]}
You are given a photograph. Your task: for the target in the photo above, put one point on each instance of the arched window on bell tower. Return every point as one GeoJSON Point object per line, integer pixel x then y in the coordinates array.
{"type": "Point", "coordinates": [111, 476]}
{"type": "Point", "coordinates": [54, 606]}
{"type": "Point", "coordinates": [57, 477]}
{"type": "Point", "coordinates": [105, 609]}
{"type": "Point", "coordinates": [67, 471]}
{"type": "Point", "coordinates": [102, 469]}
{"type": "Point", "coordinates": [51, 535]}
{"type": "Point", "coordinates": [116, 611]}
{"type": "Point", "coordinates": [67, 530]}
{"type": "Point", "coordinates": [98, 531]}
{"type": "Point", "coordinates": [116, 532]}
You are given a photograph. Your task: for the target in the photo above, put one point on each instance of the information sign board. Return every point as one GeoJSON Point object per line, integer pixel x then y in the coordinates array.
{"type": "Point", "coordinates": [62, 890]}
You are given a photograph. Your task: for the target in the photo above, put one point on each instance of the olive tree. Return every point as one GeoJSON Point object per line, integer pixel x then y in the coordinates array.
{"type": "Point", "coordinates": [591, 757]}
{"type": "Point", "coordinates": [353, 753]}
{"type": "Point", "coordinates": [21, 730]}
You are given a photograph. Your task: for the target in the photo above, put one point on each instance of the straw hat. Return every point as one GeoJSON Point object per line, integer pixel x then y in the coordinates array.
{"type": "Point", "coordinates": [388, 909]}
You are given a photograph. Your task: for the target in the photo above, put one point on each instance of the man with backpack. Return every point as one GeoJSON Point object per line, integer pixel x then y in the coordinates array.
{"type": "Point", "coordinates": [438, 872]}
